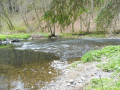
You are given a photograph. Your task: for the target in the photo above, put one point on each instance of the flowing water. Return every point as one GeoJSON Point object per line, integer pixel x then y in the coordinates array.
{"type": "Point", "coordinates": [28, 65]}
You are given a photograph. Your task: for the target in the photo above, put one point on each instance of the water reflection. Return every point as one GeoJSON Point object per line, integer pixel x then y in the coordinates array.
{"type": "Point", "coordinates": [20, 69]}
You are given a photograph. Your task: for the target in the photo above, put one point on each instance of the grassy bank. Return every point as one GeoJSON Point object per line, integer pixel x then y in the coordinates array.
{"type": "Point", "coordinates": [4, 46]}
{"type": "Point", "coordinates": [109, 57]}
{"type": "Point", "coordinates": [93, 34]}
{"type": "Point", "coordinates": [109, 61]}
{"type": "Point", "coordinates": [14, 36]}
{"type": "Point", "coordinates": [25, 35]}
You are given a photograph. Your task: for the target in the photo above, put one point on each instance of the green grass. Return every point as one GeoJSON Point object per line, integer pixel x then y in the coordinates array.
{"type": "Point", "coordinates": [85, 34]}
{"type": "Point", "coordinates": [93, 34]}
{"type": "Point", "coordinates": [4, 46]}
{"type": "Point", "coordinates": [75, 64]}
{"type": "Point", "coordinates": [103, 84]}
{"type": "Point", "coordinates": [111, 61]}
{"type": "Point", "coordinates": [14, 36]}
{"type": "Point", "coordinates": [112, 64]}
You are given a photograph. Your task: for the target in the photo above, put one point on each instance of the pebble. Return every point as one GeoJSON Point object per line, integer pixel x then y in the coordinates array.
{"type": "Point", "coordinates": [82, 78]}
{"type": "Point", "coordinates": [70, 81]}
{"type": "Point", "coordinates": [52, 84]}
{"type": "Point", "coordinates": [80, 81]}
{"type": "Point", "coordinates": [68, 84]}
{"type": "Point", "coordinates": [96, 73]}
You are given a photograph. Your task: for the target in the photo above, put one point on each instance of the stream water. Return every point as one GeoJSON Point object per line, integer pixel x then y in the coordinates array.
{"type": "Point", "coordinates": [27, 65]}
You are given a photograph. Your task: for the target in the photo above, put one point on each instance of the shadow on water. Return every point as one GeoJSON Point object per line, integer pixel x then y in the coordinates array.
{"type": "Point", "coordinates": [20, 69]}
{"type": "Point", "coordinates": [28, 65]}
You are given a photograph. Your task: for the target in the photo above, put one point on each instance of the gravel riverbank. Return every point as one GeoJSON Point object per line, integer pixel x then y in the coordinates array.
{"type": "Point", "coordinates": [76, 78]}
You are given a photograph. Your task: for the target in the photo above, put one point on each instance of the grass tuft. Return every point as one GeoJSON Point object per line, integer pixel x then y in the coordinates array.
{"type": "Point", "coordinates": [103, 84]}
{"type": "Point", "coordinates": [75, 64]}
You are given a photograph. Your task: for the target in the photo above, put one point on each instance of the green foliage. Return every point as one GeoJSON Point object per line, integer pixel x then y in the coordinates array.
{"type": "Point", "coordinates": [91, 56]}
{"type": "Point", "coordinates": [14, 36]}
{"type": "Point", "coordinates": [64, 12]}
{"type": "Point", "coordinates": [103, 84]}
{"type": "Point", "coordinates": [111, 54]}
{"type": "Point", "coordinates": [113, 63]}
{"type": "Point", "coordinates": [74, 64]}
{"type": "Point", "coordinates": [4, 46]}
{"type": "Point", "coordinates": [107, 13]}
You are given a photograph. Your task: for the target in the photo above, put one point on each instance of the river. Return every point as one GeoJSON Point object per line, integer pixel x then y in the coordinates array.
{"type": "Point", "coordinates": [28, 65]}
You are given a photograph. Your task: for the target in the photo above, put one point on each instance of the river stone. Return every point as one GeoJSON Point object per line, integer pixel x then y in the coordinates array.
{"type": "Point", "coordinates": [52, 85]}
{"type": "Point", "coordinates": [70, 81]}
{"type": "Point", "coordinates": [80, 81]}
{"type": "Point", "coordinates": [82, 78]}
{"type": "Point", "coordinates": [68, 84]}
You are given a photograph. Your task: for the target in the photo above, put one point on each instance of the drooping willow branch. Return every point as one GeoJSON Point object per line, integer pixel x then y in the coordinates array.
{"type": "Point", "coordinates": [107, 14]}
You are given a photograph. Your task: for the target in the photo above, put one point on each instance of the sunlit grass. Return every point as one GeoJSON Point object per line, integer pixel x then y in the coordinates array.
{"type": "Point", "coordinates": [14, 36]}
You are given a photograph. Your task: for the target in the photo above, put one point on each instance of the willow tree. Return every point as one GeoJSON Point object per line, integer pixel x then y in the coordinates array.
{"type": "Point", "coordinates": [66, 12]}
{"type": "Point", "coordinates": [107, 14]}
{"type": "Point", "coordinates": [56, 14]}
{"type": "Point", "coordinates": [62, 12]}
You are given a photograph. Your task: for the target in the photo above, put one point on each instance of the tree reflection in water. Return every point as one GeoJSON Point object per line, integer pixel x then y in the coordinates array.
{"type": "Point", "coordinates": [25, 69]}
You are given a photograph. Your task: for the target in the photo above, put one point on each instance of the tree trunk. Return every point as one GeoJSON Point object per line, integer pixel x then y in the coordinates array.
{"type": "Point", "coordinates": [72, 27]}
{"type": "Point", "coordinates": [81, 28]}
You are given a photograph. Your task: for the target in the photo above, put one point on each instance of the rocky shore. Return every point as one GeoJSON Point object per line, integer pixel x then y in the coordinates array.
{"type": "Point", "coordinates": [76, 78]}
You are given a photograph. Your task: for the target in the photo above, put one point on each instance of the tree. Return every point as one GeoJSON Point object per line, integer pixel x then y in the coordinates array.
{"type": "Point", "coordinates": [107, 14]}
{"type": "Point", "coordinates": [4, 16]}
{"type": "Point", "coordinates": [66, 12]}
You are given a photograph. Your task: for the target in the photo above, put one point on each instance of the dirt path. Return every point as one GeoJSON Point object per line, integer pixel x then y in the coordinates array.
{"type": "Point", "coordinates": [77, 78]}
